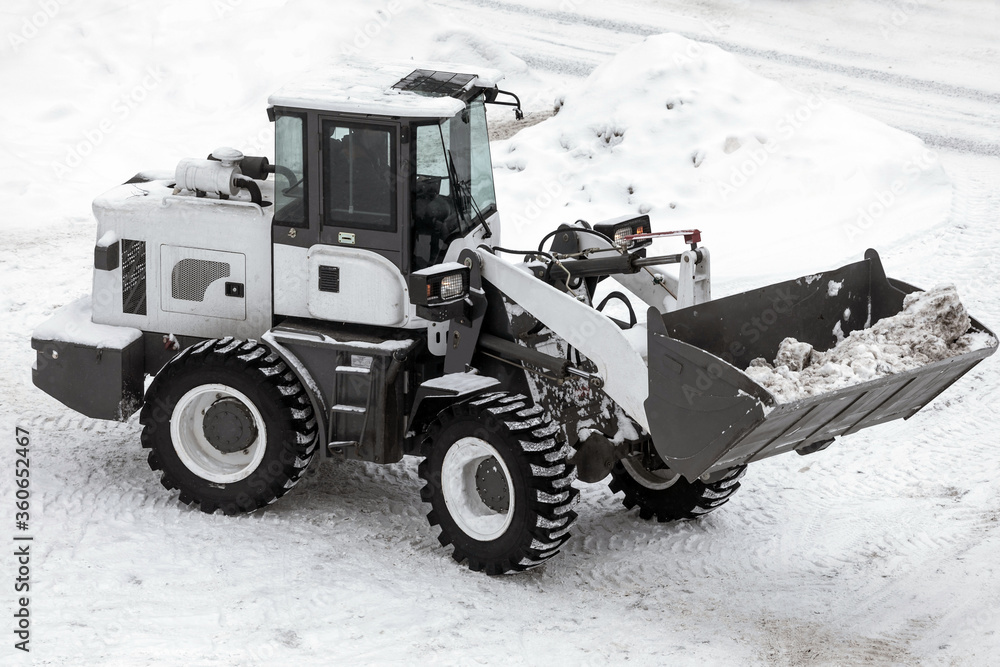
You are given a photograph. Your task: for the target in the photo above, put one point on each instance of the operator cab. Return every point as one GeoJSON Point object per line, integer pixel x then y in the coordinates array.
{"type": "Point", "coordinates": [378, 173]}
{"type": "Point", "coordinates": [395, 161]}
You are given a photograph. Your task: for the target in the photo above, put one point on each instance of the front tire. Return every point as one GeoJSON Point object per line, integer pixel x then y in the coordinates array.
{"type": "Point", "coordinates": [229, 425]}
{"type": "Point", "coordinates": [665, 495]}
{"type": "Point", "coordinates": [498, 484]}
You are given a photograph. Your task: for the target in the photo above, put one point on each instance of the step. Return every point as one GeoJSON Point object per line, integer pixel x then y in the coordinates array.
{"type": "Point", "coordinates": [354, 369]}
{"type": "Point", "coordinates": [349, 409]}
{"type": "Point", "coordinates": [337, 446]}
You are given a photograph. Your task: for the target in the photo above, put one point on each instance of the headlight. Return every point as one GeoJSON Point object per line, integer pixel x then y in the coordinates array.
{"type": "Point", "coordinates": [439, 292]}
{"type": "Point", "coordinates": [619, 228]}
{"type": "Point", "coordinates": [622, 232]}
{"type": "Point", "coordinates": [451, 287]}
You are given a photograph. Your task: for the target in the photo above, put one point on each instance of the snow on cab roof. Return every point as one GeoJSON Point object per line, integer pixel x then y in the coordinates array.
{"type": "Point", "coordinates": [387, 90]}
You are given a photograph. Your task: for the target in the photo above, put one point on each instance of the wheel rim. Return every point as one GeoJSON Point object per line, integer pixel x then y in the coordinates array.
{"type": "Point", "coordinates": [197, 452]}
{"type": "Point", "coordinates": [651, 479]}
{"type": "Point", "coordinates": [477, 506]}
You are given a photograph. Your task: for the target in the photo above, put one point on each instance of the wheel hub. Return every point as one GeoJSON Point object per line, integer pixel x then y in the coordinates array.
{"type": "Point", "coordinates": [229, 426]}
{"type": "Point", "coordinates": [491, 483]}
{"type": "Point", "coordinates": [218, 433]}
{"type": "Point", "coordinates": [656, 480]}
{"type": "Point", "coordinates": [476, 484]}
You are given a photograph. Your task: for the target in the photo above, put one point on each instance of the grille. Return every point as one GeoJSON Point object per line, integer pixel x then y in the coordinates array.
{"type": "Point", "coordinates": [133, 277]}
{"type": "Point", "coordinates": [329, 278]}
{"type": "Point", "coordinates": [190, 278]}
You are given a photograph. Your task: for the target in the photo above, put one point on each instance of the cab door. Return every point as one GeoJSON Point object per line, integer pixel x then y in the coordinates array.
{"type": "Point", "coordinates": [357, 270]}
{"type": "Point", "coordinates": [361, 192]}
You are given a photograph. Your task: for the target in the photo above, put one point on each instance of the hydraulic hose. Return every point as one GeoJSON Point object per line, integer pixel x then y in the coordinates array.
{"type": "Point", "coordinates": [250, 186]}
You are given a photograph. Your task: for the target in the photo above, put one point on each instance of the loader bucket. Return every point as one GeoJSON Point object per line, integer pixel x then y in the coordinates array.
{"type": "Point", "coordinates": [706, 415]}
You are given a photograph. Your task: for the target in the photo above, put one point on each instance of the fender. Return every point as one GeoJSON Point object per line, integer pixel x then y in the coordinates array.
{"type": "Point", "coordinates": [319, 406]}
{"type": "Point", "coordinates": [435, 395]}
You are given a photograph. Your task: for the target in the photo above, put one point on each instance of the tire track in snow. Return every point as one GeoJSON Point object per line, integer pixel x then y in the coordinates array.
{"type": "Point", "coordinates": [956, 143]}
{"type": "Point", "coordinates": [645, 30]}
{"type": "Point", "coordinates": [882, 87]}
{"type": "Point", "coordinates": [953, 451]}
{"type": "Point", "coordinates": [360, 527]}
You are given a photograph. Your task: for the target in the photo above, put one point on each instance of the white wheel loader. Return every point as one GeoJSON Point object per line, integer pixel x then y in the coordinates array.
{"type": "Point", "coordinates": [354, 300]}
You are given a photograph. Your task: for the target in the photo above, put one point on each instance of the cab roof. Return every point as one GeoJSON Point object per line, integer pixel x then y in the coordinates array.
{"type": "Point", "coordinates": [430, 90]}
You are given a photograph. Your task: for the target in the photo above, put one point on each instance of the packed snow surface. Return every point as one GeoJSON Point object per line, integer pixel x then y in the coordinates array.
{"type": "Point", "coordinates": [881, 550]}
{"type": "Point", "coordinates": [683, 131]}
{"type": "Point", "coordinates": [932, 326]}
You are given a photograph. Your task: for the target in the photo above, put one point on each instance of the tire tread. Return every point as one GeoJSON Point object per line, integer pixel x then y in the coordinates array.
{"type": "Point", "coordinates": [551, 497]}
{"type": "Point", "coordinates": [260, 363]}
{"type": "Point", "coordinates": [680, 502]}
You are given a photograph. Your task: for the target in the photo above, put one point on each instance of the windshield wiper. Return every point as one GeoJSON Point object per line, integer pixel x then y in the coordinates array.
{"type": "Point", "coordinates": [464, 191]}
{"type": "Point", "coordinates": [479, 213]}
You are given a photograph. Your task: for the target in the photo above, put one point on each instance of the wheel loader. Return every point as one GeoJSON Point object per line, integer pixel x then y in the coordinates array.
{"type": "Point", "coordinates": [354, 300]}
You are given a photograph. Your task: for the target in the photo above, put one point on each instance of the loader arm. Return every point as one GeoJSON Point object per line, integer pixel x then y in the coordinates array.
{"type": "Point", "coordinates": [663, 291]}
{"type": "Point", "coordinates": [650, 281]}
{"type": "Point", "coordinates": [594, 335]}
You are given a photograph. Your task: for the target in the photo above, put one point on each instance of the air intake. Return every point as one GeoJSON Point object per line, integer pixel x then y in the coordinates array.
{"type": "Point", "coordinates": [133, 277]}
{"type": "Point", "coordinates": [190, 278]}
{"type": "Point", "coordinates": [329, 278]}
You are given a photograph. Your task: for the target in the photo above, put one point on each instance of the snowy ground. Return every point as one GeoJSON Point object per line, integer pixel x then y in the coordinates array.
{"type": "Point", "coordinates": [880, 550]}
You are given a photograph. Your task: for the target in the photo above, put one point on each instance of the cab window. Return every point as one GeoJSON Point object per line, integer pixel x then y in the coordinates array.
{"type": "Point", "coordinates": [289, 173]}
{"type": "Point", "coordinates": [481, 164]}
{"type": "Point", "coordinates": [435, 218]}
{"type": "Point", "coordinates": [359, 177]}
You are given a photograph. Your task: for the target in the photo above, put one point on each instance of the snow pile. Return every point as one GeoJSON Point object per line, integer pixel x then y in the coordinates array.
{"type": "Point", "coordinates": [683, 131]}
{"type": "Point", "coordinates": [932, 326]}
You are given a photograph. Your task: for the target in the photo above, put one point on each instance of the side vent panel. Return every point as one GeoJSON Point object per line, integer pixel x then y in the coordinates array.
{"type": "Point", "coordinates": [190, 278]}
{"type": "Point", "coordinates": [133, 277]}
{"type": "Point", "coordinates": [198, 281]}
{"type": "Point", "coordinates": [329, 278]}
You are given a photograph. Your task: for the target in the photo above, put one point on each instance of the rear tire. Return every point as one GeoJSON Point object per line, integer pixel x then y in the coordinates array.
{"type": "Point", "coordinates": [229, 425]}
{"type": "Point", "coordinates": [498, 484]}
{"type": "Point", "coordinates": [666, 496]}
